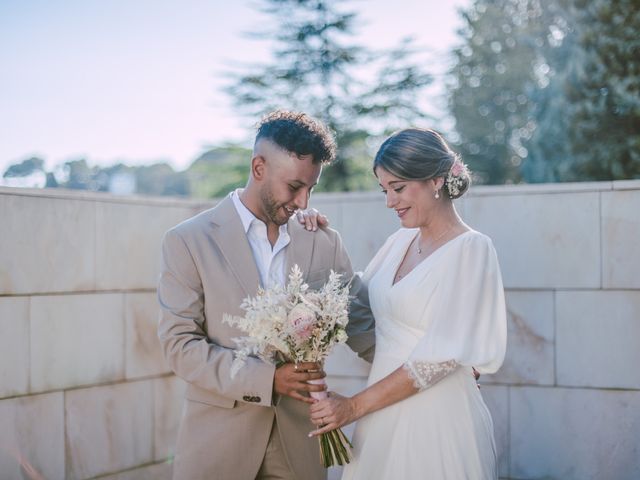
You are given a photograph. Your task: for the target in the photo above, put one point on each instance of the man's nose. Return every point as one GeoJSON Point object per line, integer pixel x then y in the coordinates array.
{"type": "Point", "coordinates": [301, 199]}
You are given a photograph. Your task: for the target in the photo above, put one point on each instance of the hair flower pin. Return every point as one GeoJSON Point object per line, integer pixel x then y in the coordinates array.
{"type": "Point", "coordinates": [454, 180]}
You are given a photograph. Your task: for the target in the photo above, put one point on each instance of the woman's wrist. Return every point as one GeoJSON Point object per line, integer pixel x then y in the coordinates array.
{"type": "Point", "coordinates": [357, 407]}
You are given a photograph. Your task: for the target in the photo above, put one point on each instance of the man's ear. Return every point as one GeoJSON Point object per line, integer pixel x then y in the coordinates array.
{"type": "Point", "coordinates": [258, 166]}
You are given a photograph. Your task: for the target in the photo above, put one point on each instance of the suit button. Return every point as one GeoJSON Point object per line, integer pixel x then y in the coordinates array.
{"type": "Point", "coordinates": [246, 398]}
{"type": "Point", "coordinates": [256, 399]}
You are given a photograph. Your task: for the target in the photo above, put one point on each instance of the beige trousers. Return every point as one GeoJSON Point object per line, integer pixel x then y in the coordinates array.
{"type": "Point", "coordinates": [275, 465]}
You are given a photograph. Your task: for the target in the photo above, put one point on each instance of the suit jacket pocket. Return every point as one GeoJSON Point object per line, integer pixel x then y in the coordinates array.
{"type": "Point", "coordinates": [208, 397]}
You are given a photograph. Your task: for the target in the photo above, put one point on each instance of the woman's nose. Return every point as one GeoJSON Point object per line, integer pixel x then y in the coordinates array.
{"type": "Point", "coordinates": [391, 200]}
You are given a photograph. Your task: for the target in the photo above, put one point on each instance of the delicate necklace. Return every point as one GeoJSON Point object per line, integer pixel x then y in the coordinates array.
{"type": "Point", "coordinates": [434, 241]}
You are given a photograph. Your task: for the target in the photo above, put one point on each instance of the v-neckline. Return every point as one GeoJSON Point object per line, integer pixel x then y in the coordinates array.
{"type": "Point", "coordinates": [399, 264]}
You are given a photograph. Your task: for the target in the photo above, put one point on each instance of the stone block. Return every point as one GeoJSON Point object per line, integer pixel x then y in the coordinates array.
{"type": "Point", "coordinates": [327, 205]}
{"type": "Point", "coordinates": [14, 346]}
{"type": "Point", "coordinates": [366, 226]}
{"type": "Point", "coordinates": [32, 437]}
{"type": "Point", "coordinates": [543, 241]}
{"type": "Point", "coordinates": [47, 245]}
{"type": "Point", "coordinates": [620, 234]}
{"type": "Point", "coordinates": [76, 340]}
{"type": "Point", "coordinates": [128, 240]}
{"type": "Point", "coordinates": [530, 340]}
{"type": "Point", "coordinates": [169, 398]}
{"type": "Point", "coordinates": [143, 353]}
{"type": "Point", "coordinates": [597, 338]}
{"type": "Point", "coordinates": [574, 433]}
{"type": "Point", "coordinates": [497, 400]}
{"type": "Point", "coordinates": [157, 471]}
{"type": "Point", "coordinates": [109, 428]}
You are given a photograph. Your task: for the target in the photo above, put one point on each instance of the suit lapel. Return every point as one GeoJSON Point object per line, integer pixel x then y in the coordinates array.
{"type": "Point", "coordinates": [300, 248]}
{"type": "Point", "coordinates": [229, 235]}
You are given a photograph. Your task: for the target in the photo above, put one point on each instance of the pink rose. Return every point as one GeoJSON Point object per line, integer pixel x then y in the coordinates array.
{"type": "Point", "coordinates": [457, 168]}
{"type": "Point", "coordinates": [303, 320]}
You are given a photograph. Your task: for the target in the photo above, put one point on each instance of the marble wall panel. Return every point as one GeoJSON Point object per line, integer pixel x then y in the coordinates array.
{"type": "Point", "coordinates": [598, 336]}
{"type": "Point", "coordinates": [143, 353]}
{"type": "Point", "coordinates": [366, 226]}
{"type": "Point", "coordinates": [156, 471]}
{"type": "Point", "coordinates": [128, 239]}
{"type": "Point", "coordinates": [14, 346]}
{"type": "Point", "coordinates": [32, 437]}
{"type": "Point", "coordinates": [543, 241]}
{"type": "Point", "coordinates": [47, 245]}
{"type": "Point", "coordinates": [574, 433]}
{"type": "Point", "coordinates": [530, 354]}
{"type": "Point", "coordinates": [109, 428]}
{"type": "Point", "coordinates": [76, 340]}
{"type": "Point", "coordinates": [620, 234]}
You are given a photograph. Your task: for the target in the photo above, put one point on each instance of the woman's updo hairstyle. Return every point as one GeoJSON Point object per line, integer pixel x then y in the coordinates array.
{"type": "Point", "coordinates": [422, 154]}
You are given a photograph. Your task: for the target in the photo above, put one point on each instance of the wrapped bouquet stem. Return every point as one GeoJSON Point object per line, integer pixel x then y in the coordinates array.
{"type": "Point", "coordinates": [335, 447]}
{"type": "Point", "coordinates": [296, 324]}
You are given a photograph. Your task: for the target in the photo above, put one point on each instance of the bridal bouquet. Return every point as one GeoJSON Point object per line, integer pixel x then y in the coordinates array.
{"type": "Point", "coordinates": [296, 324]}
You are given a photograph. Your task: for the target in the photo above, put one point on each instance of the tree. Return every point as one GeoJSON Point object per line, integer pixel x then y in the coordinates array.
{"type": "Point", "coordinates": [25, 168]}
{"type": "Point", "coordinates": [316, 68]}
{"type": "Point", "coordinates": [553, 94]}
{"type": "Point", "coordinates": [218, 171]}
{"type": "Point", "coordinates": [603, 90]}
{"type": "Point", "coordinates": [498, 70]}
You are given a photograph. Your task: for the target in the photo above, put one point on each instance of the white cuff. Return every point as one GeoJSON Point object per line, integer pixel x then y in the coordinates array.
{"type": "Point", "coordinates": [426, 374]}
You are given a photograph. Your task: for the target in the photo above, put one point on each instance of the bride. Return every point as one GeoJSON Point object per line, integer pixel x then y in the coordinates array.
{"type": "Point", "coordinates": [437, 297]}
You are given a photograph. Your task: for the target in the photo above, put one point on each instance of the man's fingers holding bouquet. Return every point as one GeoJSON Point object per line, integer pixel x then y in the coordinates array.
{"type": "Point", "coordinates": [291, 380]}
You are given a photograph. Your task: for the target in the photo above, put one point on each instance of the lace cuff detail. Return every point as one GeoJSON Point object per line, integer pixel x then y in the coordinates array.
{"type": "Point", "coordinates": [425, 374]}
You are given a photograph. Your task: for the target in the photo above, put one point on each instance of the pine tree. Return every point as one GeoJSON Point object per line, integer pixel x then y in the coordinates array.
{"type": "Point", "coordinates": [317, 68]}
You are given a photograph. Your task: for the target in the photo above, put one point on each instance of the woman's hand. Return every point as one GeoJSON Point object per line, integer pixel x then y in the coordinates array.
{"type": "Point", "coordinates": [312, 219]}
{"type": "Point", "coordinates": [332, 412]}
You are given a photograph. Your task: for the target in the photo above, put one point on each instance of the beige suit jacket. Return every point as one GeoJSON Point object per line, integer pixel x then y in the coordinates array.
{"type": "Point", "coordinates": [207, 270]}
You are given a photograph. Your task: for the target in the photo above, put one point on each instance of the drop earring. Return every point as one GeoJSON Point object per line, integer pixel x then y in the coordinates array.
{"type": "Point", "coordinates": [437, 195]}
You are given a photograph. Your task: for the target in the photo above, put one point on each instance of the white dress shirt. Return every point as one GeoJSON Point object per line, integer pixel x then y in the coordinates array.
{"type": "Point", "coordinates": [270, 261]}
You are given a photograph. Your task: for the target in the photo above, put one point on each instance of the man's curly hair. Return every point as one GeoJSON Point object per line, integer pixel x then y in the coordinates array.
{"type": "Point", "coordinates": [300, 134]}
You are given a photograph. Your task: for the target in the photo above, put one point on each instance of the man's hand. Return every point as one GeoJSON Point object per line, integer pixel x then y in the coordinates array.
{"type": "Point", "coordinates": [312, 219]}
{"type": "Point", "coordinates": [291, 379]}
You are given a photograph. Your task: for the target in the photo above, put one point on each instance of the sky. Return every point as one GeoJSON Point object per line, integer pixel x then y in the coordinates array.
{"type": "Point", "coordinates": [140, 81]}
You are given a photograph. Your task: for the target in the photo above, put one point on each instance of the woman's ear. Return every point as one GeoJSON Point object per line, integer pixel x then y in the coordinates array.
{"type": "Point", "coordinates": [437, 182]}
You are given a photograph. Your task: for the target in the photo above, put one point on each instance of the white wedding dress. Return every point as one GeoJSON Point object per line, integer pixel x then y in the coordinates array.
{"type": "Point", "coordinates": [442, 318]}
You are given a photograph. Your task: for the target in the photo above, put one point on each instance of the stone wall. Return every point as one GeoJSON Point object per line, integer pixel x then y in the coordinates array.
{"type": "Point", "coordinates": [84, 391]}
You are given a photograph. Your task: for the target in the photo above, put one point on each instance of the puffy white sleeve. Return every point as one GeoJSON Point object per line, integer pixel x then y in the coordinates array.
{"type": "Point", "coordinates": [469, 325]}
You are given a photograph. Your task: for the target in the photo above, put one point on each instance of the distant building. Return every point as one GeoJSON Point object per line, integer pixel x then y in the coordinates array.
{"type": "Point", "coordinates": [122, 183]}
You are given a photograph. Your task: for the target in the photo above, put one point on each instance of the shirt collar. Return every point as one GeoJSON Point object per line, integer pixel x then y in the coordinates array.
{"type": "Point", "coordinates": [246, 216]}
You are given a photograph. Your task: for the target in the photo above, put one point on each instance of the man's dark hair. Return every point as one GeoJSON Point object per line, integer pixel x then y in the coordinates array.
{"type": "Point", "coordinates": [300, 134]}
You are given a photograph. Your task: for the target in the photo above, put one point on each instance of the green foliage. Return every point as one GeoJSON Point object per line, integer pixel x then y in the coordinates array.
{"type": "Point", "coordinates": [497, 69]}
{"type": "Point", "coordinates": [549, 91]}
{"type": "Point", "coordinates": [218, 171]}
{"type": "Point", "coordinates": [25, 168]}
{"type": "Point", "coordinates": [603, 90]}
{"type": "Point", "coordinates": [317, 68]}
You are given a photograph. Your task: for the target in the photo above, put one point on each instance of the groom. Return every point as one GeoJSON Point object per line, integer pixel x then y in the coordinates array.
{"type": "Point", "coordinates": [254, 425]}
